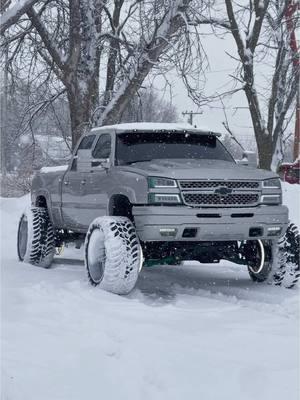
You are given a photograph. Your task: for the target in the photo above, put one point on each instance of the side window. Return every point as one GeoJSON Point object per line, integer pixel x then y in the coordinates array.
{"type": "Point", "coordinates": [103, 147]}
{"type": "Point", "coordinates": [85, 144]}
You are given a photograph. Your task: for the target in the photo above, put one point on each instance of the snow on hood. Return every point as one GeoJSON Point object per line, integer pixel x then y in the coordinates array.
{"type": "Point", "coordinates": [198, 169]}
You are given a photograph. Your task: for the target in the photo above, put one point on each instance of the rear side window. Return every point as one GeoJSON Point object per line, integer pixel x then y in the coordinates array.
{"type": "Point", "coordinates": [103, 147]}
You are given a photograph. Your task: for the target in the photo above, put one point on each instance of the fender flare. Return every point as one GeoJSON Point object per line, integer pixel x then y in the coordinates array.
{"type": "Point", "coordinates": [43, 193]}
{"type": "Point", "coordinates": [127, 192]}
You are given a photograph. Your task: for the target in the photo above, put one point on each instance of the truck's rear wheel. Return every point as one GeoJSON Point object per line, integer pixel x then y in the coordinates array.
{"type": "Point", "coordinates": [259, 259]}
{"type": "Point", "coordinates": [36, 244]}
{"type": "Point", "coordinates": [113, 254]}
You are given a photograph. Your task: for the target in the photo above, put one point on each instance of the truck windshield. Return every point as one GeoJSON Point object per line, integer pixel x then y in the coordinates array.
{"type": "Point", "coordinates": [146, 146]}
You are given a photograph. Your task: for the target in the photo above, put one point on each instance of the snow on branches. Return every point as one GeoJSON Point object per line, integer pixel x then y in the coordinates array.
{"type": "Point", "coordinates": [101, 51]}
{"type": "Point", "coordinates": [10, 14]}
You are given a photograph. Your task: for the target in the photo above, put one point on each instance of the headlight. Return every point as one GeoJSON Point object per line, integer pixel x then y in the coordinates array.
{"type": "Point", "coordinates": [156, 182]}
{"type": "Point", "coordinates": [273, 183]}
{"type": "Point", "coordinates": [164, 198]}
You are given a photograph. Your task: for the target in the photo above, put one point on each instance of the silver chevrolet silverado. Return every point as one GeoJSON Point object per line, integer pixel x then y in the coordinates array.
{"type": "Point", "coordinates": [142, 194]}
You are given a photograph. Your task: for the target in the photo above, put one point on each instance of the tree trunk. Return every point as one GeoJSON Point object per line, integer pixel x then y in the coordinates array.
{"type": "Point", "coordinates": [83, 98]}
{"type": "Point", "coordinates": [263, 138]}
{"type": "Point", "coordinates": [80, 114]}
{"type": "Point", "coordinates": [264, 149]}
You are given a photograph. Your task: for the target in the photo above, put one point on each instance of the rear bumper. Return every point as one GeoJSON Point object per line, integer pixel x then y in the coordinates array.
{"type": "Point", "coordinates": [218, 224]}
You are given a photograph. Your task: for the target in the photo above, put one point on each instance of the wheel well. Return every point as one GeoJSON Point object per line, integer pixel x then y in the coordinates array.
{"type": "Point", "coordinates": [120, 206]}
{"type": "Point", "coordinates": [41, 202]}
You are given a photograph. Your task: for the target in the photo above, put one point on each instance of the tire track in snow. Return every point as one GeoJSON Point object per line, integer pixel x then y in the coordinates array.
{"type": "Point", "coordinates": [167, 285]}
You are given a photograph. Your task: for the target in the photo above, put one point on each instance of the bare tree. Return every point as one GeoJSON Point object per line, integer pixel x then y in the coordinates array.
{"type": "Point", "coordinates": [285, 76]}
{"type": "Point", "coordinates": [31, 115]}
{"type": "Point", "coordinates": [100, 51]}
{"type": "Point", "coordinates": [263, 43]}
{"type": "Point", "coordinates": [147, 106]}
{"type": "Point", "coordinates": [14, 13]}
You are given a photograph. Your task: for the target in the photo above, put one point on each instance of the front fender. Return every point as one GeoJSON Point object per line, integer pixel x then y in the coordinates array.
{"type": "Point", "coordinates": [131, 185]}
{"type": "Point", "coordinates": [35, 194]}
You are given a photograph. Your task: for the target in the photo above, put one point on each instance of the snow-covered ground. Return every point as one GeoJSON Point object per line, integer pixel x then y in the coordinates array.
{"type": "Point", "coordinates": [189, 332]}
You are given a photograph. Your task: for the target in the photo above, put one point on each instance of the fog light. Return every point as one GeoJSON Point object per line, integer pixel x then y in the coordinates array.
{"type": "Point", "coordinates": [274, 230]}
{"type": "Point", "coordinates": [168, 232]}
{"type": "Point", "coordinates": [271, 199]}
{"type": "Point", "coordinates": [255, 232]}
{"type": "Point", "coordinates": [189, 232]}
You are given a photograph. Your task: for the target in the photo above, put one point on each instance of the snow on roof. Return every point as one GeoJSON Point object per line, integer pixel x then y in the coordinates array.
{"type": "Point", "coordinates": [155, 126]}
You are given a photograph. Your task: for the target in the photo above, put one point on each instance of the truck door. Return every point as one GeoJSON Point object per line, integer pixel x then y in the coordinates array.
{"type": "Point", "coordinates": [97, 181]}
{"type": "Point", "coordinates": [73, 187]}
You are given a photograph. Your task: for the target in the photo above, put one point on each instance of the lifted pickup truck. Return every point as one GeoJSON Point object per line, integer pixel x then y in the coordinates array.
{"type": "Point", "coordinates": [158, 193]}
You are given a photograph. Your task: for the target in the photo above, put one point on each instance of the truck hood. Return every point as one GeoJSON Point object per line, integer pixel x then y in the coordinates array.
{"type": "Point", "coordinates": [198, 169]}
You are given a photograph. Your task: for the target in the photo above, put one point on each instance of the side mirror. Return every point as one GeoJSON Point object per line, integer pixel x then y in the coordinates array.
{"type": "Point", "coordinates": [101, 163]}
{"type": "Point", "coordinates": [249, 159]}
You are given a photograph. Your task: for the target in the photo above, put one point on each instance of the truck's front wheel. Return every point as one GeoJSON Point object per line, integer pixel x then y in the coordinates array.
{"type": "Point", "coordinates": [278, 261]}
{"type": "Point", "coordinates": [113, 255]}
{"type": "Point", "coordinates": [36, 238]}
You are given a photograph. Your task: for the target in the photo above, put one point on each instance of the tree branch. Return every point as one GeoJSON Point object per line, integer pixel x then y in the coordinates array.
{"type": "Point", "coordinates": [160, 41]}
{"type": "Point", "coordinates": [260, 12]}
{"type": "Point", "coordinates": [13, 14]}
{"type": "Point", "coordinates": [45, 36]}
{"type": "Point", "coordinates": [235, 29]}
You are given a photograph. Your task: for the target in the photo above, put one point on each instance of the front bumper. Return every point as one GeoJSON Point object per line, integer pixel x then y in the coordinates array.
{"type": "Point", "coordinates": [218, 224]}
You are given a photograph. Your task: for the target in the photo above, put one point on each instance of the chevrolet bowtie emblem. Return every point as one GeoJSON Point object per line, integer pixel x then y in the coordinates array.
{"type": "Point", "coordinates": [223, 191]}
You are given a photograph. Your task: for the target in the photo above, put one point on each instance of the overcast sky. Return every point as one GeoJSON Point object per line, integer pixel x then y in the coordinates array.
{"type": "Point", "coordinates": [221, 66]}
{"type": "Point", "coordinates": [218, 80]}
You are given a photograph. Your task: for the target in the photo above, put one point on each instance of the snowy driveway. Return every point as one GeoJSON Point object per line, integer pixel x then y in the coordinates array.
{"type": "Point", "coordinates": [189, 332]}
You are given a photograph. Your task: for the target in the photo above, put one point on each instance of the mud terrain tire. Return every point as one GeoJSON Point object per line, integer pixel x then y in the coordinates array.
{"type": "Point", "coordinates": [113, 254]}
{"type": "Point", "coordinates": [287, 269]}
{"type": "Point", "coordinates": [36, 243]}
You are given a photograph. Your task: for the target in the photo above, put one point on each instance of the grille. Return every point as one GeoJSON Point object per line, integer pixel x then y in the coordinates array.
{"type": "Point", "coordinates": [212, 199]}
{"type": "Point", "coordinates": [214, 184]}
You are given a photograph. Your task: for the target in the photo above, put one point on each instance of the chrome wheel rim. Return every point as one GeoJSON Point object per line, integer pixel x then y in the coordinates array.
{"type": "Point", "coordinates": [260, 257]}
{"type": "Point", "coordinates": [22, 237]}
{"type": "Point", "coordinates": [96, 256]}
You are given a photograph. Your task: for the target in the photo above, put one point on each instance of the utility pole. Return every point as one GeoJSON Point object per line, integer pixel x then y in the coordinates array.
{"type": "Point", "coordinates": [191, 114]}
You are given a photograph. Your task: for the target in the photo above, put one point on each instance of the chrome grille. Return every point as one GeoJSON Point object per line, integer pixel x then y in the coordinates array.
{"type": "Point", "coordinates": [213, 199]}
{"type": "Point", "coordinates": [215, 184]}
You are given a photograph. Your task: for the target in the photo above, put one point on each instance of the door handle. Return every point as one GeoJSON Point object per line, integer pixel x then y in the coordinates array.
{"type": "Point", "coordinates": [66, 182]}
{"type": "Point", "coordinates": [83, 182]}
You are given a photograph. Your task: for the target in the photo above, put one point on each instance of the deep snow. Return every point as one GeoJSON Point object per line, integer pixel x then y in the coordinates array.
{"type": "Point", "coordinates": [189, 332]}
